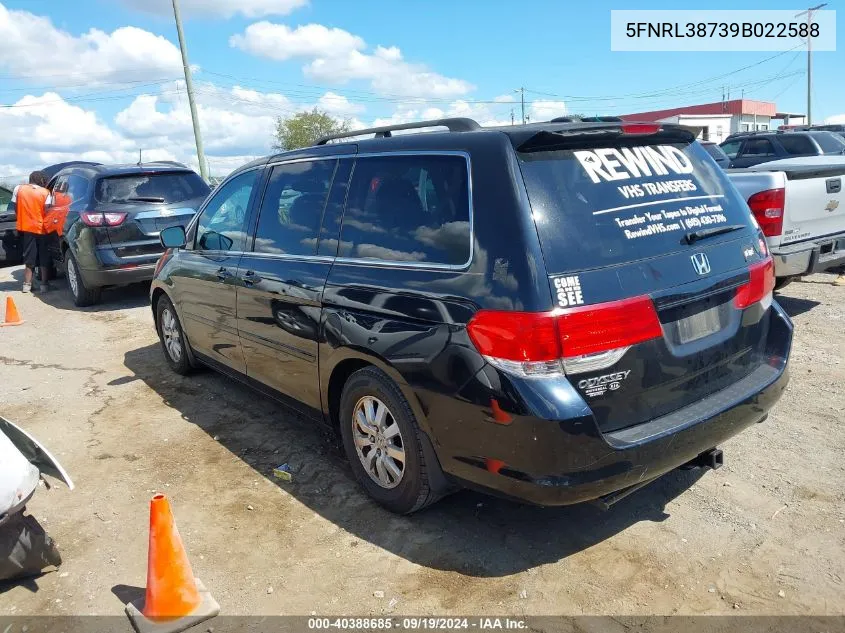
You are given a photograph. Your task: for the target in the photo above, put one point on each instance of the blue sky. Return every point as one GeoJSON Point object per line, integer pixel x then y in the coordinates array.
{"type": "Point", "coordinates": [459, 57]}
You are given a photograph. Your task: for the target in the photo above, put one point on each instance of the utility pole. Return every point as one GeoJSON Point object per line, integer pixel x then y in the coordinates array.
{"type": "Point", "coordinates": [521, 92]}
{"type": "Point", "coordinates": [809, 13]}
{"type": "Point", "coordinates": [189, 87]}
{"type": "Point", "coordinates": [512, 116]}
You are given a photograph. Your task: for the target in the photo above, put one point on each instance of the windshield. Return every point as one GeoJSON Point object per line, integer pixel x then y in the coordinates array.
{"type": "Point", "coordinates": [614, 204]}
{"type": "Point", "coordinates": [167, 187]}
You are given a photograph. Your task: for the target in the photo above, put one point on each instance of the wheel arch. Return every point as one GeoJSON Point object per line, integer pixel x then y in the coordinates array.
{"type": "Point", "coordinates": [351, 360]}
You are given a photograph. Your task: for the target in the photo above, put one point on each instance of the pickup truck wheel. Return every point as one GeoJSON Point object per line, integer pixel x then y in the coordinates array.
{"type": "Point", "coordinates": [82, 295]}
{"type": "Point", "coordinates": [782, 282]}
{"type": "Point", "coordinates": [382, 441]}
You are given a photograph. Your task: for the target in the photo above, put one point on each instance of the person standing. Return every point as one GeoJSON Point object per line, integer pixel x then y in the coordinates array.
{"type": "Point", "coordinates": [30, 201]}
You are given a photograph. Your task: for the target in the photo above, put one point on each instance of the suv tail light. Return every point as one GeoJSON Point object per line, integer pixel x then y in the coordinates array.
{"type": "Point", "coordinates": [760, 286]}
{"type": "Point", "coordinates": [92, 218]}
{"type": "Point", "coordinates": [767, 207]}
{"type": "Point", "coordinates": [574, 340]}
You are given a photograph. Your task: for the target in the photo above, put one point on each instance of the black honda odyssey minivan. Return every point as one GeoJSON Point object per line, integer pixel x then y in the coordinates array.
{"type": "Point", "coordinates": [555, 312]}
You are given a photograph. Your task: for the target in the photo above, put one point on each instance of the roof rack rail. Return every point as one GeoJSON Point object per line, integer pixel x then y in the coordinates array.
{"type": "Point", "coordinates": [455, 124]}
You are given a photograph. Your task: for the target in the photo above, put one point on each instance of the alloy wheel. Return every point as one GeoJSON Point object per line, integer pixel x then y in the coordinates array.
{"type": "Point", "coordinates": [378, 442]}
{"type": "Point", "coordinates": [172, 336]}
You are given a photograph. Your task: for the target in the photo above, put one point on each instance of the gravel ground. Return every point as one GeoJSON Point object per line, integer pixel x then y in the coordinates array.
{"type": "Point", "coordinates": [763, 535]}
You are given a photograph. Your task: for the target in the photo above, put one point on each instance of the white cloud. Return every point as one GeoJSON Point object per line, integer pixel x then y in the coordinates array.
{"type": "Point", "coordinates": [504, 99]}
{"type": "Point", "coordinates": [221, 8]}
{"type": "Point", "coordinates": [835, 119]}
{"type": "Point", "coordinates": [233, 121]}
{"type": "Point", "coordinates": [49, 123]}
{"type": "Point", "coordinates": [544, 110]}
{"type": "Point", "coordinates": [30, 46]}
{"type": "Point", "coordinates": [337, 56]}
{"type": "Point", "coordinates": [338, 105]}
{"type": "Point", "coordinates": [280, 42]}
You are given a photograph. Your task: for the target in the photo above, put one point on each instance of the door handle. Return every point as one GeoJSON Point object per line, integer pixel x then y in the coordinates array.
{"type": "Point", "coordinates": [250, 278]}
{"type": "Point", "coordinates": [834, 185]}
{"type": "Point", "coordinates": [223, 273]}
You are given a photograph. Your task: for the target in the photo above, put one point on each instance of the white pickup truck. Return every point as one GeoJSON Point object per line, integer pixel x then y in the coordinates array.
{"type": "Point", "coordinates": [799, 205]}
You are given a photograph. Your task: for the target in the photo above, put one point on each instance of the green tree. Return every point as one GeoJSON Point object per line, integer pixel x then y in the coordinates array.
{"type": "Point", "coordinates": [303, 128]}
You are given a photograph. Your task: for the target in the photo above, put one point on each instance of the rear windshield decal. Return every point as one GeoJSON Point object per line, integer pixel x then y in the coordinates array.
{"type": "Point", "coordinates": [628, 201]}
{"type": "Point", "coordinates": [611, 164]}
{"type": "Point", "coordinates": [568, 291]}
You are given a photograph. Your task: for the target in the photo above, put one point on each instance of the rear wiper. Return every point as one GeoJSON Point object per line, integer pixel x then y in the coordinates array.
{"type": "Point", "coordinates": [145, 199]}
{"type": "Point", "coordinates": [702, 234]}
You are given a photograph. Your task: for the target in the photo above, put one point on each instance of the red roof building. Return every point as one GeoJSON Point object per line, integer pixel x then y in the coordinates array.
{"type": "Point", "coordinates": [717, 120]}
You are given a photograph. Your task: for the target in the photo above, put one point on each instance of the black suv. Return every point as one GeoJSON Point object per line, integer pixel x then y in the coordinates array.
{"type": "Point", "coordinates": [104, 221]}
{"type": "Point", "coordinates": [554, 312]}
{"type": "Point", "coordinates": [752, 148]}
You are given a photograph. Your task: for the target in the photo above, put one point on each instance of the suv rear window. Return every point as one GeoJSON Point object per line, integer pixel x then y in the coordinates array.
{"type": "Point", "coordinates": [624, 201]}
{"type": "Point", "coordinates": [797, 144]}
{"type": "Point", "coordinates": [829, 142]}
{"type": "Point", "coordinates": [167, 187]}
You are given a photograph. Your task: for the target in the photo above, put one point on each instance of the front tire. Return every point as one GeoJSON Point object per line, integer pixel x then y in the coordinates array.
{"type": "Point", "coordinates": [383, 443]}
{"type": "Point", "coordinates": [172, 337]}
{"type": "Point", "coordinates": [81, 294]}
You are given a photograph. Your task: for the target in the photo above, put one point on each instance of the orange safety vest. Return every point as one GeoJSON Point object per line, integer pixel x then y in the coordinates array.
{"type": "Point", "coordinates": [29, 204]}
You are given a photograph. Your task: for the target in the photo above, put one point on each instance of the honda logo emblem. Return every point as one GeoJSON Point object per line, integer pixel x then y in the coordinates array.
{"type": "Point", "coordinates": [700, 263]}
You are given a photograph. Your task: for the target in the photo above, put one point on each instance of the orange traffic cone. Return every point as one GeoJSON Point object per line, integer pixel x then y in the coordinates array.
{"type": "Point", "coordinates": [13, 317]}
{"type": "Point", "coordinates": [174, 600]}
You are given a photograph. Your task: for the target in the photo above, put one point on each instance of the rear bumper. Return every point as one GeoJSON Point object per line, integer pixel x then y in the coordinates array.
{"type": "Point", "coordinates": [810, 257]}
{"type": "Point", "coordinates": [117, 276]}
{"type": "Point", "coordinates": [563, 462]}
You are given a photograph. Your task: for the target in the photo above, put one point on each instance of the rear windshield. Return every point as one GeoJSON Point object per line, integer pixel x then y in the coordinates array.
{"type": "Point", "coordinates": [829, 142]}
{"type": "Point", "coordinates": [167, 187]}
{"type": "Point", "coordinates": [715, 151]}
{"type": "Point", "coordinates": [624, 201]}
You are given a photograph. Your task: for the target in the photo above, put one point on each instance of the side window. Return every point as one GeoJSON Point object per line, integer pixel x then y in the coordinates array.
{"type": "Point", "coordinates": [797, 144]}
{"type": "Point", "coordinates": [408, 209]}
{"type": "Point", "coordinates": [77, 188]}
{"type": "Point", "coordinates": [293, 204]}
{"type": "Point", "coordinates": [758, 147]}
{"type": "Point", "coordinates": [731, 148]}
{"type": "Point", "coordinates": [59, 197]}
{"type": "Point", "coordinates": [221, 226]}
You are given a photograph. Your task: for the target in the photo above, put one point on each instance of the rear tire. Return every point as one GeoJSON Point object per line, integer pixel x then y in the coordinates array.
{"type": "Point", "coordinates": [81, 294]}
{"type": "Point", "coordinates": [372, 434]}
{"type": "Point", "coordinates": [172, 337]}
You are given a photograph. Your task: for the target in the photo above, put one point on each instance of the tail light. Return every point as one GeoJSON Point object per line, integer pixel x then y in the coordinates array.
{"type": "Point", "coordinates": [574, 340]}
{"type": "Point", "coordinates": [767, 207]}
{"type": "Point", "coordinates": [760, 286]}
{"type": "Point", "coordinates": [92, 218]}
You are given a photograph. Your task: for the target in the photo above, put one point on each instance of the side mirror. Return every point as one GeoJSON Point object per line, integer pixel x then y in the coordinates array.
{"type": "Point", "coordinates": [173, 237]}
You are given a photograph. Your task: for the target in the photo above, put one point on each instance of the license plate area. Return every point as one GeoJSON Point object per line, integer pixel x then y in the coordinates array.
{"type": "Point", "coordinates": [699, 325]}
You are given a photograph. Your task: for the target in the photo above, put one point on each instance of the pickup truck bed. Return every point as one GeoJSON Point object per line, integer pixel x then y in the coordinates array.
{"type": "Point", "coordinates": [810, 236]}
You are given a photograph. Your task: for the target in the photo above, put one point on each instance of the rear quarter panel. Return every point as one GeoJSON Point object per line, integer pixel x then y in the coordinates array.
{"type": "Point", "coordinates": [411, 321]}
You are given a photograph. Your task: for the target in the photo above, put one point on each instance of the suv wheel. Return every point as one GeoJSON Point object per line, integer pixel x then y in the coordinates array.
{"type": "Point", "coordinates": [173, 340]}
{"type": "Point", "coordinates": [82, 295]}
{"type": "Point", "coordinates": [383, 442]}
